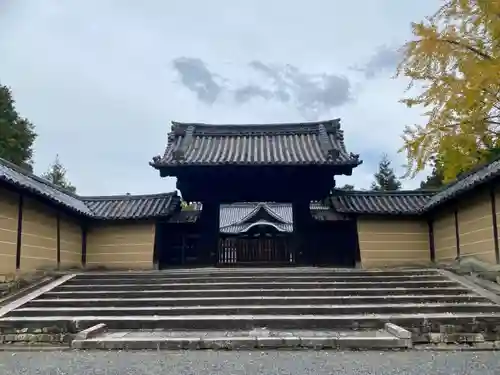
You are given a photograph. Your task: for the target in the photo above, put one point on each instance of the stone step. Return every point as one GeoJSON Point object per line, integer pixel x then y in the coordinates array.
{"type": "Point", "coordinates": [292, 271]}
{"type": "Point", "coordinates": [384, 291]}
{"type": "Point", "coordinates": [260, 285]}
{"type": "Point", "coordinates": [417, 323]}
{"type": "Point", "coordinates": [241, 340]}
{"type": "Point", "coordinates": [167, 279]}
{"type": "Point", "coordinates": [255, 300]}
{"type": "Point", "coordinates": [260, 309]}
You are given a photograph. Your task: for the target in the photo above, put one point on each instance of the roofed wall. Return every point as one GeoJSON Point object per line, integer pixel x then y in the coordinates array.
{"type": "Point", "coordinates": [445, 239]}
{"type": "Point", "coordinates": [121, 245]}
{"type": "Point", "coordinates": [9, 210]}
{"type": "Point", "coordinates": [475, 226]}
{"type": "Point", "coordinates": [463, 215]}
{"type": "Point", "coordinates": [465, 227]}
{"type": "Point", "coordinates": [70, 230]}
{"type": "Point", "coordinates": [393, 242]}
{"type": "Point", "coordinates": [39, 236]}
{"type": "Point", "coordinates": [42, 228]}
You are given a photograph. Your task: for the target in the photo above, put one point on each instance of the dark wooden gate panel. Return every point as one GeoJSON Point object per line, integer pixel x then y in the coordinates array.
{"type": "Point", "coordinates": [247, 250]}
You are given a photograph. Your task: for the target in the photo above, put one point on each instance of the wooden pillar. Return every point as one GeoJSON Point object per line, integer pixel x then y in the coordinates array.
{"type": "Point", "coordinates": [19, 231]}
{"type": "Point", "coordinates": [58, 239]}
{"type": "Point", "coordinates": [495, 224]}
{"type": "Point", "coordinates": [209, 239]}
{"type": "Point", "coordinates": [432, 247]}
{"type": "Point", "coordinates": [301, 229]}
{"type": "Point", "coordinates": [457, 233]}
{"type": "Point", "coordinates": [84, 244]}
{"type": "Point", "coordinates": [158, 244]}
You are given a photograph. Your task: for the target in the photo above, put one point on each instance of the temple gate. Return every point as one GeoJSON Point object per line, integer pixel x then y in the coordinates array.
{"type": "Point", "coordinates": [291, 163]}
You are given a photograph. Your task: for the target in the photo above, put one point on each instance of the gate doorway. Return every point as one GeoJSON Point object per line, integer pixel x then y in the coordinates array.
{"type": "Point", "coordinates": [176, 245]}
{"type": "Point", "coordinates": [335, 243]}
{"type": "Point", "coordinates": [261, 245]}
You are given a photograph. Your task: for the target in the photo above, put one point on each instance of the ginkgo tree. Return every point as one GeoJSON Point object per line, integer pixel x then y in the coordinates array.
{"type": "Point", "coordinates": [453, 63]}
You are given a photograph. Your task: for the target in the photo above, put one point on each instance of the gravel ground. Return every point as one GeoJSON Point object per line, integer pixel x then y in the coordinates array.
{"type": "Point", "coordinates": [236, 363]}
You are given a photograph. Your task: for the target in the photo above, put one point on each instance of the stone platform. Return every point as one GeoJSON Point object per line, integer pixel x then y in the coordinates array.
{"type": "Point", "coordinates": [332, 307]}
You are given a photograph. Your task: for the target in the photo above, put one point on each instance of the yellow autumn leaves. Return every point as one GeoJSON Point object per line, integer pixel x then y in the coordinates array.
{"type": "Point", "coordinates": [454, 62]}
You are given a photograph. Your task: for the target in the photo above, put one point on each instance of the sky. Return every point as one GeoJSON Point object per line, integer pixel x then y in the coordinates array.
{"type": "Point", "coordinates": [102, 79]}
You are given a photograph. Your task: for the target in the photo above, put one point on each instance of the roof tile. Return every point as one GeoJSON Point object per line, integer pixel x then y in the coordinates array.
{"type": "Point", "coordinates": [20, 178]}
{"type": "Point", "coordinates": [233, 217]}
{"type": "Point", "coordinates": [373, 202]}
{"type": "Point", "coordinates": [107, 207]}
{"type": "Point", "coordinates": [125, 207]}
{"type": "Point", "coordinates": [273, 144]}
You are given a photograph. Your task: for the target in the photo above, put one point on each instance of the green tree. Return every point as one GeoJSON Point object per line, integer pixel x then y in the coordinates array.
{"type": "Point", "coordinates": [385, 178]}
{"type": "Point", "coordinates": [186, 206]}
{"type": "Point", "coordinates": [435, 180]}
{"type": "Point", "coordinates": [347, 187]}
{"type": "Point", "coordinates": [57, 175]}
{"type": "Point", "coordinates": [17, 134]}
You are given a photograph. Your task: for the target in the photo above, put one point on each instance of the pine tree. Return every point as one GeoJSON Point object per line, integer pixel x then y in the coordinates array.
{"type": "Point", "coordinates": [436, 179]}
{"type": "Point", "coordinates": [385, 178]}
{"type": "Point", "coordinates": [433, 181]}
{"type": "Point", "coordinates": [57, 175]}
{"type": "Point", "coordinates": [347, 187]}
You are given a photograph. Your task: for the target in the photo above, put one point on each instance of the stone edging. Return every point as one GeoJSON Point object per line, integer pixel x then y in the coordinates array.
{"type": "Point", "coordinates": [27, 289]}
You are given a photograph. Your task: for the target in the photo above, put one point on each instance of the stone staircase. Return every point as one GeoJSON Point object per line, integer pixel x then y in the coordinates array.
{"type": "Point", "coordinates": [254, 308]}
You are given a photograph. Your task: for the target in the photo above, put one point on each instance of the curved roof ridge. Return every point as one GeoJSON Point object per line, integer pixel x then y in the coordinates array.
{"type": "Point", "coordinates": [264, 222]}
{"type": "Point", "coordinates": [273, 213]}
{"type": "Point", "coordinates": [184, 125]}
{"type": "Point", "coordinates": [254, 211]}
{"type": "Point", "coordinates": [247, 216]}
{"type": "Point", "coordinates": [126, 196]}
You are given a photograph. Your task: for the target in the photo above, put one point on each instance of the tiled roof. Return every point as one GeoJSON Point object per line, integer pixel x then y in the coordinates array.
{"type": "Point", "coordinates": [343, 202]}
{"type": "Point", "coordinates": [13, 175]}
{"type": "Point", "coordinates": [185, 216]}
{"type": "Point", "coordinates": [321, 212]}
{"type": "Point", "coordinates": [236, 217]}
{"type": "Point", "coordinates": [272, 144]}
{"type": "Point", "coordinates": [123, 207]}
{"type": "Point", "coordinates": [385, 203]}
{"type": "Point", "coordinates": [242, 228]}
{"type": "Point", "coordinates": [465, 183]}
{"type": "Point", "coordinates": [111, 207]}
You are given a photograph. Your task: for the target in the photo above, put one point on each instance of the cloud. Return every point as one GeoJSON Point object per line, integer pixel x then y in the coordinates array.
{"type": "Point", "coordinates": [311, 94]}
{"type": "Point", "coordinates": [384, 59]}
{"type": "Point", "coordinates": [101, 73]}
{"type": "Point", "coordinates": [246, 93]}
{"type": "Point", "coordinates": [198, 78]}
